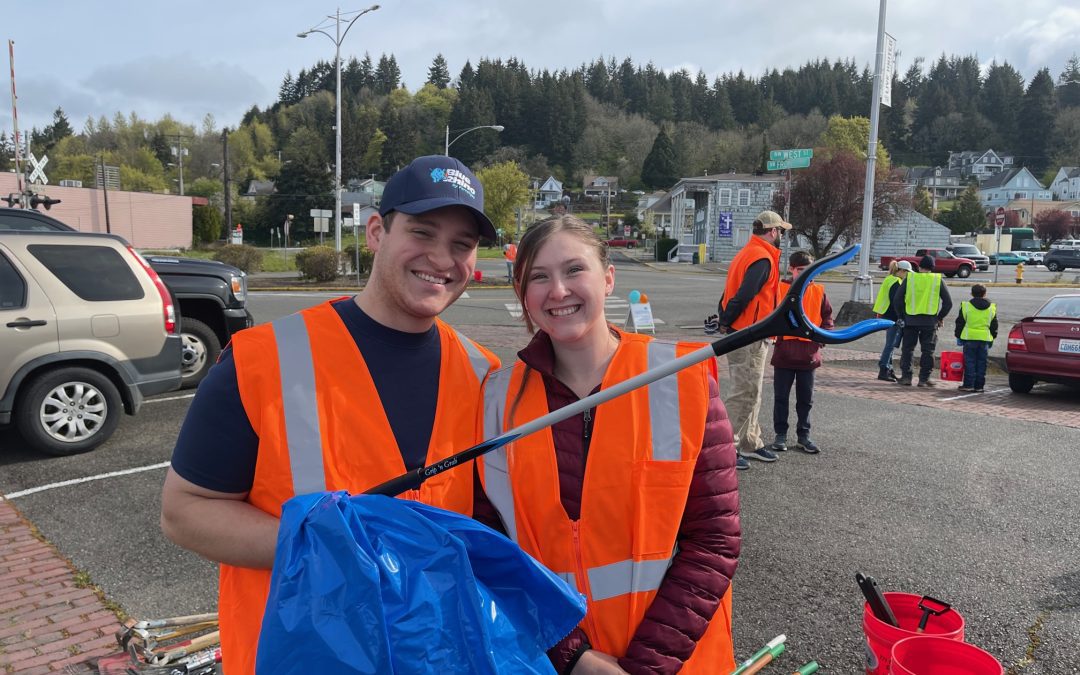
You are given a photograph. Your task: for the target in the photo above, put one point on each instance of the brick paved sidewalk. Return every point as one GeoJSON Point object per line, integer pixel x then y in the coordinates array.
{"type": "Point", "coordinates": [48, 619]}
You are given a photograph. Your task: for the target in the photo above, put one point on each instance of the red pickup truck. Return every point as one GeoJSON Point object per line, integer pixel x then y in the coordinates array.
{"type": "Point", "coordinates": [622, 243]}
{"type": "Point", "coordinates": [944, 262]}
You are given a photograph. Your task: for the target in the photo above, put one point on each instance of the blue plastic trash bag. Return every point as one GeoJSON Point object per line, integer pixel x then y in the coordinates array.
{"type": "Point", "coordinates": [372, 584]}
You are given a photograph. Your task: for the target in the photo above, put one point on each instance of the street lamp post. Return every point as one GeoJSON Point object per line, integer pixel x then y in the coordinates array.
{"type": "Point", "coordinates": [446, 147]}
{"type": "Point", "coordinates": [338, 36]}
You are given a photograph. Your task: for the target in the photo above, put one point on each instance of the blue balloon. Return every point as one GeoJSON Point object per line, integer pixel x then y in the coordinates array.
{"type": "Point", "coordinates": [635, 296]}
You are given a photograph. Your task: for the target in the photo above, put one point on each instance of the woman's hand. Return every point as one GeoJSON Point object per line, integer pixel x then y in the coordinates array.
{"type": "Point", "coordinates": [593, 662]}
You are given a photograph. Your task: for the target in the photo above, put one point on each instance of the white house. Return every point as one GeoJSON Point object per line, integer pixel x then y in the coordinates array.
{"type": "Point", "coordinates": [549, 193]}
{"type": "Point", "coordinates": [1066, 183]}
{"type": "Point", "coordinates": [979, 163]}
{"type": "Point", "coordinates": [1010, 185]}
{"type": "Point", "coordinates": [597, 186]}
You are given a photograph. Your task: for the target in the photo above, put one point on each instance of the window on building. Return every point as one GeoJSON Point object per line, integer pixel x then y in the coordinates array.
{"type": "Point", "coordinates": [725, 196]}
{"type": "Point", "coordinates": [744, 197]}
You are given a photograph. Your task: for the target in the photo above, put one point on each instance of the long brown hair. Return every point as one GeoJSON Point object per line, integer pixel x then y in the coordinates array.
{"type": "Point", "coordinates": [535, 238]}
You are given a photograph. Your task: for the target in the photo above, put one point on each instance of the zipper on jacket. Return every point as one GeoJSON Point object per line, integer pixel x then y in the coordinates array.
{"type": "Point", "coordinates": [590, 628]}
{"type": "Point", "coordinates": [586, 434]}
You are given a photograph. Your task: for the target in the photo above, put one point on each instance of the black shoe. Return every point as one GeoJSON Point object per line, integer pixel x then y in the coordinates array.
{"type": "Point", "coordinates": [807, 446]}
{"type": "Point", "coordinates": [886, 375]}
{"type": "Point", "coordinates": [905, 380]}
{"type": "Point", "coordinates": [927, 383]}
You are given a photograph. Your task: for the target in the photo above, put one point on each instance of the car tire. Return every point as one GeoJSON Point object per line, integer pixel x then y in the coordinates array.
{"type": "Point", "coordinates": [1021, 384]}
{"type": "Point", "coordinates": [963, 272]}
{"type": "Point", "coordinates": [200, 350]}
{"type": "Point", "coordinates": [1053, 266]}
{"type": "Point", "coordinates": [40, 411]}
{"type": "Point", "coordinates": [950, 275]}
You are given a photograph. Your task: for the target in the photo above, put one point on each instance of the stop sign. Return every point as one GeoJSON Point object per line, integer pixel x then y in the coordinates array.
{"type": "Point", "coordinates": [999, 217]}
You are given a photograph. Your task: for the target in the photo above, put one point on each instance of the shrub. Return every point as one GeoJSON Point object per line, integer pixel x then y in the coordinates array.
{"type": "Point", "coordinates": [247, 258]}
{"type": "Point", "coordinates": [319, 263]}
{"type": "Point", "coordinates": [663, 247]}
{"type": "Point", "coordinates": [205, 224]}
{"type": "Point", "coordinates": [366, 257]}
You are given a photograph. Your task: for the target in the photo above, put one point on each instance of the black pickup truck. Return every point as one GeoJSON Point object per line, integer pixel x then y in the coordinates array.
{"type": "Point", "coordinates": [212, 298]}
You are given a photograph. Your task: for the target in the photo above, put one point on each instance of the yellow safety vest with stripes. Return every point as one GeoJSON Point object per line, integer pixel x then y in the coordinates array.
{"type": "Point", "coordinates": [922, 294]}
{"type": "Point", "coordinates": [977, 322]}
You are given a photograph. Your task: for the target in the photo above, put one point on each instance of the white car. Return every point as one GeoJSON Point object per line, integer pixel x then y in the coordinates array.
{"type": "Point", "coordinates": [1030, 257]}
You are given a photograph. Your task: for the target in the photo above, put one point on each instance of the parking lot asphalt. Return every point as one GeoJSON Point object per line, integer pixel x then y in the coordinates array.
{"type": "Point", "coordinates": [970, 499]}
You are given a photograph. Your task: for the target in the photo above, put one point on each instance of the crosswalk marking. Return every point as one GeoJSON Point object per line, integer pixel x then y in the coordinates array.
{"type": "Point", "coordinates": [615, 310]}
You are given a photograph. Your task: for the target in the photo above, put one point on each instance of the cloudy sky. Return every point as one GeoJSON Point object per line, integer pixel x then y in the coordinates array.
{"type": "Point", "coordinates": [220, 57]}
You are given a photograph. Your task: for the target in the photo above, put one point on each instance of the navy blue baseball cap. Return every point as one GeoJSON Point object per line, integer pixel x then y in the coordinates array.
{"type": "Point", "coordinates": [432, 182]}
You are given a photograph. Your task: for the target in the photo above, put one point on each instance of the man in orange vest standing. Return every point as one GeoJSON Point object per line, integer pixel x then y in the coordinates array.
{"type": "Point", "coordinates": [750, 295]}
{"type": "Point", "coordinates": [341, 396]}
{"type": "Point", "coordinates": [510, 253]}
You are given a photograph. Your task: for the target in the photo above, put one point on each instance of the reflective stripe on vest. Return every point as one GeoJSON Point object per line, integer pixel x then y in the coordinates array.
{"type": "Point", "coordinates": [977, 322]}
{"type": "Point", "coordinates": [496, 467]}
{"type": "Point", "coordinates": [922, 294]}
{"type": "Point", "coordinates": [300, 404]}
{"type": "Point", "coordinates": [664, 406]}
{"type": "Point", "coordinates": [477, 360]}
{"type": "Point", "coordinates": [881, 304]}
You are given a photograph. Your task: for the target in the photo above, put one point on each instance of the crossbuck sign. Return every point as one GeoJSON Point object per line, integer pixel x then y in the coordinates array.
{"type": "Point", "coordinates": [37, 169]}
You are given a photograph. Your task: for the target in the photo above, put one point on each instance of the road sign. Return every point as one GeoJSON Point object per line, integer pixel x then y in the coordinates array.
{"type": "Point", "coordinates": [321, 213]}
{"type": "Point", "coordinates": [781, 164]}
{"type": "Point", "coordinates": [782, 155]}
{"type": "Point", "coordinates": [37, 173]}
{"type": "Point", "coordinates": [999, 217]}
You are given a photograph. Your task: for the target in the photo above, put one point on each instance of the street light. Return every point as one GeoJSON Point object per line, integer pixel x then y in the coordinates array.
{"type": "Point", "coordinates": [446, 148]}
{"type": "Point", "coordinates": [338, 36]}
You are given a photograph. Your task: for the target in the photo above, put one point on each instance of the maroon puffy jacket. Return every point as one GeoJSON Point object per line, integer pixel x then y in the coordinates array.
{"type": "Point", "coordinates": [709, 536]}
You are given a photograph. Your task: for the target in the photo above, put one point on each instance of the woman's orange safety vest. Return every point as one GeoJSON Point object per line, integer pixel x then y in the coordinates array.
{"type": "Point", "coordinates": [641, 460]}
{"type": "Point", "coordinates": [310, 399]}
{"type": "Point", "coordinates": [762, 304]}
{"type": "Point", "coordinates": [812, 298]}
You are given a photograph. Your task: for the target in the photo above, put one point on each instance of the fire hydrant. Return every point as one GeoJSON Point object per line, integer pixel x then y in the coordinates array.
{"type": "Point", "coordinates": [1019, 273]}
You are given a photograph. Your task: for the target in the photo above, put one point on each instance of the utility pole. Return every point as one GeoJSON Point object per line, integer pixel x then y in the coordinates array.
{"type": "Point", "coordinates": [179, 151]}
{"type": "Point", "coordinates": [105, 192]}
{"type": "Point", "coordinates": [225, 180]}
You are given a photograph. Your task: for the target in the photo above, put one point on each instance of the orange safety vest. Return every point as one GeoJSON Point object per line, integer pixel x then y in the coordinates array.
{"type": "Point", "coordinates": [813, 296]}
{"type": "Point", "coordinates": [641, 461]}
{"type": "Point", "coordinates": [764, 302]}
{"type": "Point", "coordinates": [511, 252]}
{"type": "Point", "coordinates": [309, 397]}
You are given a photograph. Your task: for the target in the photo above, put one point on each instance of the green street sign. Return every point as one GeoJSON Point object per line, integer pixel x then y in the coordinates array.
{"type": "Point", "coordinates": [784, 155]}
{"type": "Point", "coordinates": [780, 165]}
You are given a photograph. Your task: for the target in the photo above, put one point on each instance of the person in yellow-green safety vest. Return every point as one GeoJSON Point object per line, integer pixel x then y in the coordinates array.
{"type": "Point", "coordinates": [884, 309]}
{"type": "Point", "coordinates": [976, 330]}
{"type": "Point", "coordinates": [923, 302]}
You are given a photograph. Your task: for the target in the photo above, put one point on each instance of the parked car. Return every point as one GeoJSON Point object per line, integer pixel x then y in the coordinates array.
{"type": "Point", "coordinates": [211, 296]}
{"type": "Point", "coordinates": [971, 252]}
{"type": "Point", "coordinates": [1005, 258]}
{"type": "Point", "coordinates": [87, 329]}
{"type": "Point", "coordinates": [622, 243]}
{"type": "Point", "coordinates": [1029, 257]}
{"type": "Point", "coordinates": [1046, 346]}
{"type": "Point", "coordinates": [1058, 259]}
{"type": "Point", "coordinates": [944, 262]}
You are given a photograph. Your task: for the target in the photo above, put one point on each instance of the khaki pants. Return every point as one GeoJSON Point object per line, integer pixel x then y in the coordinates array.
{"type": "Point", "coordinates": [747, 371]}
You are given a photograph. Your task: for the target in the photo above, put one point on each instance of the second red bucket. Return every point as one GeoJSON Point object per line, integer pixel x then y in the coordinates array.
{"type": "Point", "coordinates": [880, 636]}
{"type": "Point", "coordinates": [933, 655]}
{"type": "Point", "coordinates": [952, 366]}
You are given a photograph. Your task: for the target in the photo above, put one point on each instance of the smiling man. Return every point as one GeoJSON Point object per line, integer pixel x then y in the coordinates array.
{"type": "Point", "coordinates": [342, 396]}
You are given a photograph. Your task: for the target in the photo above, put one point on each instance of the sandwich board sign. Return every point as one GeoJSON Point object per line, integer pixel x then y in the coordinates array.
{"type": "Point", "coordinates": [640, 317]}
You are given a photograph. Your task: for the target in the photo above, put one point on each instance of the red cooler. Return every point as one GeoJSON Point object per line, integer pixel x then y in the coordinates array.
{"type": "Point", "coordinates": [952, 366]}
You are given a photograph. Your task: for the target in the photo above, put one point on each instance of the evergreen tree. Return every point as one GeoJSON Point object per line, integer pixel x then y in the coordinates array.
{"type": "Point", "coordinates": [367, 72]}
{"type": "Point", "coordinates": [465, 77]}
{"type": "Point", "coordinates": [999, 101]}
{"type": "Point", "coordinates": [387, 75]}
{"type": "Point", "coordinates": [660, 170]}
{"type": "Point", "coordinates": [439, 72]}
{"type": "Point", "coordinates": [922, 202]}
{"type": "Point", "coordinates": [1068, 93]}
{"type": "Point", "coordinates": [1037, 123]}
{"type": "Point", "coordinates": [968, 215]}
{"type": "Point", "coordinates": [720, 115]}
{"type": "Point", "coordinates": [7, 152]}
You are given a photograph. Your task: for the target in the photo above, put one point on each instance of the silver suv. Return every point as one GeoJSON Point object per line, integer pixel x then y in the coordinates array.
{"type": "Point", "coordinates": [87, 329]}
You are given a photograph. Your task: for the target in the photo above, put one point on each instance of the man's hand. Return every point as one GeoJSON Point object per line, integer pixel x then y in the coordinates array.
{"type": "Point", "coordinates": [593, 662]}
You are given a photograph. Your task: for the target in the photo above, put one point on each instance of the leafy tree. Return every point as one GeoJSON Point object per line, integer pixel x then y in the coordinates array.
{"type": "Point", "coordinates": [439, 72]}
{"type": "Point", "coordinates": [1037, 122]}
{"type": "Point", "coordinates": [852, 135]}
{"type": "Point", "coordinates": [138, 181]}
{"type": "Point", "coordinates": [827, 200]}
{"type": "Point", "coordinates": [1053, 225]}
{"type": "Point", "coordinates": [922, 202]}
{"type": "Point", "coordinates": [1066, 138]}
{"type": "Point", "coordinates": [7, 152]}
{"type": "Point", "coordinates": [506, 187]}
{"type": "Point", "coordinates": [659, 169]}
{"type": "Point", "coordinates": [305, 183]}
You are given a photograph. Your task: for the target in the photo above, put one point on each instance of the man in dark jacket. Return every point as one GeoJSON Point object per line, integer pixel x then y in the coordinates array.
{"type": "Point", "coordinates": [976, 330]}
{"type": "Point", "coordinates": [922, 302]}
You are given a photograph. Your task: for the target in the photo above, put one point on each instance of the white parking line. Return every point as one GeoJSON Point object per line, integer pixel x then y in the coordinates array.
{"type": "Point", "coordinates": [170, 398]}
{"type": "Point", "coordinates": [76, 481]}
{"type": "Point", "coordinates": [981, 393]}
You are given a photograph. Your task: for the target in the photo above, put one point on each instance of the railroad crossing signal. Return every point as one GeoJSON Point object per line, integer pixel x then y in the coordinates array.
{"type": "Point", "coordinates": [37, 169]}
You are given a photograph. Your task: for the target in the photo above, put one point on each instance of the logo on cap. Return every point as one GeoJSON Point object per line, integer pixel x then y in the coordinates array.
{"type": "Point", "coordinates": [455, 178]}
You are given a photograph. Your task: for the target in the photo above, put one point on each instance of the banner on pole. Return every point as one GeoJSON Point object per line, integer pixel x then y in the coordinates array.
{"type": "Point", "coordinates": [887, 70]}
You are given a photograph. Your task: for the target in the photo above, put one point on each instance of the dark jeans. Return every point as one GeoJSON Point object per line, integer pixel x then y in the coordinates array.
{"type": "Point", "coordinates": [975, 352]}
{"type": "Point", "coordinates": [804, 400]}
{"type": "Point", "coordinates": [926, 336]}
{"type": "Point", "coordinates": [892, 341]}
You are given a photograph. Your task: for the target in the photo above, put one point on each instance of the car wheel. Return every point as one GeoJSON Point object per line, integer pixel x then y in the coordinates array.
{"type": "Point", "coordinates": [964, 272]}
{"type": "Point", "coordinates": [68, 410]}
{"type": "Point", "coordinates": [1021, 384]}
{"type": "Point", "coordinates": [200, 350]}
{"type": "Point", "coordinates": [950, 274]}
{"type": "Point", "coordinates": [1053, 266]}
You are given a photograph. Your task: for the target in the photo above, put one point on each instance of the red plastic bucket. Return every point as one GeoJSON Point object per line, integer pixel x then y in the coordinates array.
{"type": "Point", "coordinates": [952, 366]}
{"type": "Point", "coordinates": [932, 655]}
{"type": "Point", "coordinates": [880, 636]}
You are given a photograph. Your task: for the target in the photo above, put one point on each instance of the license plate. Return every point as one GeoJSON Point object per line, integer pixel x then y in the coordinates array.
{"type": "Point", "coordinates": [1069, 346]}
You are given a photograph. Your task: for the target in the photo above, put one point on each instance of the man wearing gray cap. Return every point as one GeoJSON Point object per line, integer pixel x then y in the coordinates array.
{"type": "Point", "coordinates": [749, 296]}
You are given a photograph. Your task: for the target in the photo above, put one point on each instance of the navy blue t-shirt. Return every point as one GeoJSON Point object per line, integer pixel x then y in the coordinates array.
{"type": "Point", "coordinates": [217, 446]}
